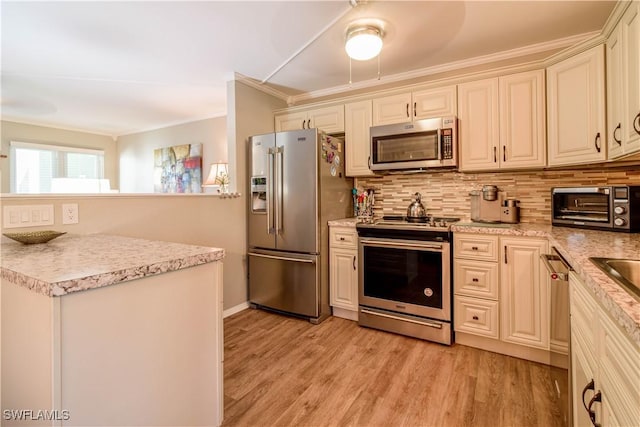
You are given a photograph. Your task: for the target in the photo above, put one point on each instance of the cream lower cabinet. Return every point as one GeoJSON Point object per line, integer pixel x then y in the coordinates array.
{"type": "Point", "coordinates": [328, 119]}
{"type": "Point", "coordinates": [343, 271]}
{"type": "Point", "coordinates": [501, 296]}
{"type": "Point", "coordinates": [576, 109]}
{"type": "Point", "coordinates": [605, 364]}
{"type": "Point", "coordinates": [524, 292]}
{"type": "Point", "coordinates": [356, 138]}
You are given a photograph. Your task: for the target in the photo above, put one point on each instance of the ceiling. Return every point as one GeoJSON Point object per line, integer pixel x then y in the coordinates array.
{"type": "Point", "coordinates": [122, 67]}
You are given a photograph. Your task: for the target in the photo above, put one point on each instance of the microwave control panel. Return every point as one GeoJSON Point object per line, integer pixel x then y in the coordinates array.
{"type": "Point", "coordinates": [447, 143]}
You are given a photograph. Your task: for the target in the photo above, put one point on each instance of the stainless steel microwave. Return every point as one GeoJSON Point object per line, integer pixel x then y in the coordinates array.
{"type": "Point", "coordinates": [613, 208]}
{"type": "Point", "coordinates": [422, 144]}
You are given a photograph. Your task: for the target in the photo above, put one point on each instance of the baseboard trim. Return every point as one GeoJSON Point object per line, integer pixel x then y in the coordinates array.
{"type": "Point", "coordinates": [237, 309]}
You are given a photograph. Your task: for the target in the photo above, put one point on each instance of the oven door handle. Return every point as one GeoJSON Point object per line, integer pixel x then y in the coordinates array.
{"type": "Point", "coordinates": [422, 323]}
{"type": "Point", "coordinates": [401, 244]}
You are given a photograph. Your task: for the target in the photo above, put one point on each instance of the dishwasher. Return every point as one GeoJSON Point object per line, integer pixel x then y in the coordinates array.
{"type": "Point", "coordinates": [560, 331]}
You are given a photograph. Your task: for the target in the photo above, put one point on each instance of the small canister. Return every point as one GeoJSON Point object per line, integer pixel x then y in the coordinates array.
{"type": "Point", "coordinates": [510, 213]}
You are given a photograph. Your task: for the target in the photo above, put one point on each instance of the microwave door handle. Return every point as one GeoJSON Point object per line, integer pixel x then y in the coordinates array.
{"type": "Point", "coordinates": [439, 144]}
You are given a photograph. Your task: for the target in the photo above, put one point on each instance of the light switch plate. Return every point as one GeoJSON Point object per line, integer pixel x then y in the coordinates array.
{"type": "Point", "coordinates": [27, 216]}
{"type": "Point", "coordinates": [70, 213]}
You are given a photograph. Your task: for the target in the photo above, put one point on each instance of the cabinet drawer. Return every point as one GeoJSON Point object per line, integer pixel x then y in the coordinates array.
{"type": "Point", "coordinates": [476, 279]}
{"type": "Point", "coordinates": [343, 237]}
{"type": "Point", "coordinates": [472, 246]}
{"type": "Point", "coordinates": [476, 316]}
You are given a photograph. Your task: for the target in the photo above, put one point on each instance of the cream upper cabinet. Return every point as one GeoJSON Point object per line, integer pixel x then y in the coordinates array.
{"type": "Point", "coordinates": [328, 119]}
{"type": "Point", "coordinates": [501, 122]}
{"type": "Point", "coordinates": [356, 138]}
{"type": "Point", "coordinates": [406, 107]}
{"type": "Point", "coordinates": [623, 84]}
{"type": "Point", "coordinates": [576, 109]}
{"type": "Point", "coordinates": [524, 292]}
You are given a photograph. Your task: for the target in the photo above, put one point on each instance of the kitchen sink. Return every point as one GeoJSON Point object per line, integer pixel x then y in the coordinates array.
{"type": "Point", "coordinates": [625, 272]}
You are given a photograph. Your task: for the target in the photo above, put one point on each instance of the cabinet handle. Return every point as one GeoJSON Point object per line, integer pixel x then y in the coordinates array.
{"type": "Point", "coordinates": [475, 318]}
{"type": "Point", "coordinates": [495, 154]}
{"type": "Point", "coordinates": [369, 162]}
{"type": "Point", "coordinates": [408, 110]}
{"type": "Point", "coordinates": [474, 248]}
{"type": "Point", "coordinates": [303, 123]}
{"type": "Point", "coordinates": [597, 142]}
{"type": "Point", "coordinates": [619, 141]}
{"type": "Point", "coordinates": [354, 262]}
{"type": "Point", "coordinates": [504, 153]}
{"type": "Point", "coordinates": [637, 121]}
{"type": "Point", "coordinates": [592, 413]}
{"type": "Point", "coordinates": [590, 386]}
{"type": "Point", "coordinates": [475, 280]}
{"type": "Point", "coordinates": [415, 109]}
{"type": "Point", "coordinates": [342, 239]}
{"type": "Point", "coordinates": [505, 254]}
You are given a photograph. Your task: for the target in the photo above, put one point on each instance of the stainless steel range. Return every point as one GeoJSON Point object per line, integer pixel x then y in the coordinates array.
{"type": "Point", "coordinates": [405, 277]}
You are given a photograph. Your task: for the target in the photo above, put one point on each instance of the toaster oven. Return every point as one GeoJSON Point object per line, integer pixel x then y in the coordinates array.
{"type": "Point", "coordinates": [613, 208]}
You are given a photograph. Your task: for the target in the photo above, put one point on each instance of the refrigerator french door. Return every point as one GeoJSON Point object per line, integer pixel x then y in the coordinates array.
{"type": "Point", "coordinates": [294, 191]}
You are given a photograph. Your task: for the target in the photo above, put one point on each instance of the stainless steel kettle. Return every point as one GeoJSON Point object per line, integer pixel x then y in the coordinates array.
{"type": "Point", "coordinates": [416, 210]}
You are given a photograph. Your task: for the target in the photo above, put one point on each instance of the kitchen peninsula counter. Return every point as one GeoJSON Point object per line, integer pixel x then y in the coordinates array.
{"type": "Point", "coordinates": [110, 330]}
{"type": "Point", "coordinates": [576, 246]}
{"type": "Point", "coordinates": [73, 263]}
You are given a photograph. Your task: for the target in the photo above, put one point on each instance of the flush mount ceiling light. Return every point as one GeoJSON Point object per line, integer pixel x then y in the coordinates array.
{"type": "Point", "coordinates": [363, 42]}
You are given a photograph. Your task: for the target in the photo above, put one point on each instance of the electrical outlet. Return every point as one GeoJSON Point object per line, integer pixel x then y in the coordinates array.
{"type": "Point", "coordinates": [70, 213]}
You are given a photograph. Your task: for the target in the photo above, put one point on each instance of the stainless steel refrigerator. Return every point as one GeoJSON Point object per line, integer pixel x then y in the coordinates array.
{"type": "Point", "coordinates": [297, 184]}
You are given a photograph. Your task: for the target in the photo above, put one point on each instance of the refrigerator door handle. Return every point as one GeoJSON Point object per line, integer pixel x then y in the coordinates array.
{"type": "Point", "coordinates": [270, 188]}
{"type": "Point", "coordinates": [280, 184]}
{"type": "Point", "coordinates": [283, 258]}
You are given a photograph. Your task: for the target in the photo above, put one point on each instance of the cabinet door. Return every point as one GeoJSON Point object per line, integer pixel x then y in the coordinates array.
{"type": "Point", "coordinates": [438, 102]}
{"type": "Point", "coordinates": [356, 138]}
{"type": "Point", "coordinates": [478, 125]}
{"type": "Point", "coordinates": [582, 373]}
{"type": "Point", "coordinates": [524, 293]}
{"type": "Point", "coordinates": [291, 121]}
{"type": "Point", "coordinates": [343, 278]}
{"type": "Point", "coordinates": [631, 35]}
{"type": "Point", "coordinates": [522, 123]}
{"type": "Point", "coordinates": [328, 119]}
{"type": "Point", "coordinates": [615, 94]}
{"type": "Point", "coordinates": [392, 109]}
{"type": "Point", "coordinates": [576, 109]}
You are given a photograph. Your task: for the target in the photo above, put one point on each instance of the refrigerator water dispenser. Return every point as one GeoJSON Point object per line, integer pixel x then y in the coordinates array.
{"type": "Point", "coordinates": [258, 194]}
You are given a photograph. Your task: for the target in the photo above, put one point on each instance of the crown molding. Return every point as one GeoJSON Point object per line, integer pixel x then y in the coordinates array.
{"type": "Point", "coordinates": [171, 124]}
{"type": "Point", "coordinates": [51, 126]}
{"type": "Point", "coordinates": [261, 87]}
{"type": "Point", "coordinates": [452, 66]}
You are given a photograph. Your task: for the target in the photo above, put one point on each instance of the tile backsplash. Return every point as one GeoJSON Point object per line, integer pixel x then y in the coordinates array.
{"type": "Point", "coordinates": [447, 193]}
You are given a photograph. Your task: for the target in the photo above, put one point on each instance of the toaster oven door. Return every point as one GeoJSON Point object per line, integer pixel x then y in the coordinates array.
{"type": "Point", "coordinates": [588, 207]}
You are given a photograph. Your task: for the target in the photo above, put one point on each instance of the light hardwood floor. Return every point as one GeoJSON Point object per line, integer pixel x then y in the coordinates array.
{"type": "Point", "coordinates": [282, 371]}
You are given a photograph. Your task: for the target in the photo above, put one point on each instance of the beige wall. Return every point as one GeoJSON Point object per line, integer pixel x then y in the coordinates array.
{"type": "Point", "coordinates": [249, 112]}
{"type": "Point", "coordinates": [12, 131]}
{"type": "Point", "coordinates": [206, 220]}
{"type": "Point", "coordinates": [136, 150]}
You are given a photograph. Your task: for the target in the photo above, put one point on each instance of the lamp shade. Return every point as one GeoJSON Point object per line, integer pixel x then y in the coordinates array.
{"type": "Point", "coordinates": [363, 42]}
{"type": "Point", "coordinates": [218, 175]}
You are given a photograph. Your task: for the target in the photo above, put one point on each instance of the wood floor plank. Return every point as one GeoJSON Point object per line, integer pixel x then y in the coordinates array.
{"type": "Point", "coordinates": [283, 371]}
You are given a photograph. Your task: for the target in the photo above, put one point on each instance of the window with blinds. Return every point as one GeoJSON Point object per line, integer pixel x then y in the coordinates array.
{"type": "Point", "coordinates": [42, 168]}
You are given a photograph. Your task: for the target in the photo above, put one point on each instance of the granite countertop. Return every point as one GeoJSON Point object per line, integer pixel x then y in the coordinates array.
{"type": "Point", "coordinates": [576, 246]}
{"type": "Point", "coordinates": [344, 222]}
{"type": "Point", "coordinates": [74, 263]}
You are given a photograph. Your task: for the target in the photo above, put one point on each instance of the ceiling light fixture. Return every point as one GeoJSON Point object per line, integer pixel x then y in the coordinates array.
{"type": "Point", "coordinates": [363, 42]}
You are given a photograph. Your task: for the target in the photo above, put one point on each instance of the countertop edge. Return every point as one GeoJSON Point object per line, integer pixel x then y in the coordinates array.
{"type": "Point", "coordinates": [58, 288]}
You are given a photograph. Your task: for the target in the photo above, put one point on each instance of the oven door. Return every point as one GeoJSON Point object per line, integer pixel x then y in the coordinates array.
{"type": "Point", "coordinates": [406, 276]}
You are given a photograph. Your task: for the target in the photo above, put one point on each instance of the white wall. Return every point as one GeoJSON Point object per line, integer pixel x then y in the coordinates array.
{"type": "Point", "coordinates": [136, 150]}
{"type": "Point", "coordinates": [12, 131]}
